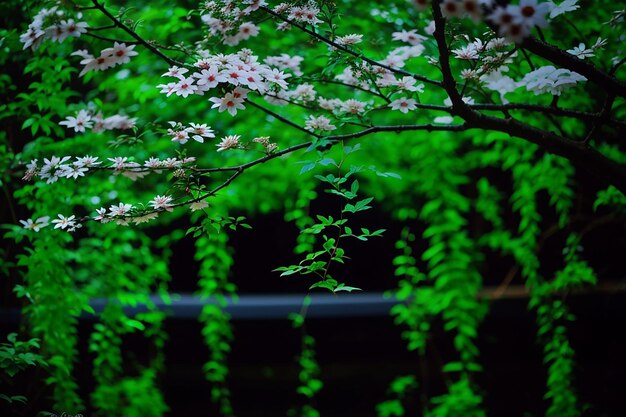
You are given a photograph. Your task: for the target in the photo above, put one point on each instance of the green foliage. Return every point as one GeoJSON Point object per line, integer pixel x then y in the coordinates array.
{"type": "Point", "coordinates": [399, 390]}
{"type": "Point", "coordinates": [215, 262]}
{"type": "Point", "coordinates": [319, 262]}
{"type": "Point", "coordinates": [460, 197]}
{"type": "Point", "coordinates": [309, 375]}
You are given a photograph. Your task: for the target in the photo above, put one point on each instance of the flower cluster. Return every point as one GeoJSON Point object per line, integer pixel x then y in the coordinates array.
{"type": "Point", "coordinates": [551, 80]}
{"type": "Point", "coordinates": [226, 20]}
{"type": "Point", "coordinates": [195, 131]}
{"type": "Point", "coordinates": [51, 24]}
{"type": "Point", "coordinates": [62, 167]}
{"type": "Point", "coordinates": [304, 14]}
{"type": "Point", "coordinates": [513, 21]}
{"type": "Point", "coordinates": [119, 54]}
{"type": "Point", "coordinates": [237, 74]}
{"type": "Point", "coordinates": [85, 119]}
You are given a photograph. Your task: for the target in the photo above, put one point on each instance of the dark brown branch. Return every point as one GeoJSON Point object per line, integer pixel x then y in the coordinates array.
{"type": "Point", "coordinates": [579, 153]}
{"type": "Point", "coordinates": [557, 111]}
{"type": "Point", "coordinates": [132, 33]}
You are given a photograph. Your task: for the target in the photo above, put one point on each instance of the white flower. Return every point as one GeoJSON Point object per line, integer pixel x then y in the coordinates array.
{"type": "Point", "coordinates": [102, 217]}
{"type": "Point", "coordinates": [73, 171]}
{"type": "Point", "coordinates": [320, 122]}
{"type": "Point", "coordinates": [229, 103]}
{"type": "Point", "coordinates": [120, 210]}
{"type": "Point", "coordinates": [353, 106]}
{"type": "Point", "coordinates": [199, 132]}
{"type": "Point", "coordinates": [451, 8]}
{"type": "Point", "coordinates": [78, 123]}
{"type": "Point", "coordinates": [408, 84]}
{"type": "Point", "coordinates": [36, 225]}
{"type": "Point", "coordinates": [87, 161]}
{"type": "Point", "coordinates": [64, 222]}
{"type": "Point", "coordinates": [120, 53]}
{"type": "Point", "coordinates": [403, 104]}
{"type": "Point", "coordinates": [534, 13]}
{"type": "Point", "coordinates": [33, 36]}
{"type": "Point", "coordinates": [228, 142]}
{"type": "Point", "coordinates": [162, 202]}
{"type": "Point", "coordinates": [209, 78]}
{"type": "Point", "coordinates": [175, 72]}
{"type": "Point", "coordinates": [329, 104]}
{"type": "Point", "coordinates": [180, 136]}
{"type": "Point", "coordinates": [185, 87]}
{"type": "Point", "coordinates": [278, 77]}
{"type": "Point", "coordinates": [349, 39]}
{"type": "Point", "coordinates": [96, 64]}
{"type": "Point", "coordinates": [411, 37]}
{"type": "Point", "coordinates": [563, 7]}
{"type": "Point", "coordinates": [467, 52]}
{"type": "Point", "coordinates": [581, 51]}
{"type": "Point", "coordinates": [551, 80]}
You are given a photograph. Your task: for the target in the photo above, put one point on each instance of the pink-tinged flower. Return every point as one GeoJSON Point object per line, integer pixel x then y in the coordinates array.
{"type": "Point", "coordinates": [351, 39]}
{"type": "Point", "coordinates": [329, 104]}
{"type": "Point", "coordinates": [228, 142]}
{"type": "Point", "coordinates": [73, 171]}
{"type": "Point", "coordinates": [533, 13]}
{"type": "Point", "coordinates": [472, 9]}
{"type": "Point", "coordinates": [199, 132]}
{"type": "Point", "coordinates": [254, 81]}
{"type": "Point", "coordinates": [247, 30]}
{"type": "Point", "coordinates": [120, 210]}
{"type": "Point", "coordinates": [185, 87]}
{"type": "Point", "coordinates": [240, 93]}
{"type": "Point", "coordinates": [162, 202]}
{"type": "Point", "coordinates": [67, 28]}
{"type": "Point", "coordinates": [229, 103]}
{"type": "Point", "coordinates": [167, 89]}
{"type": "Point", "coordinates": [451, 8]}
{"type": "Point", "coordinates": [31, 170]}
{"type": "Point", "coordinates": [319, 123]}
{"type": "Point", "coordinates": [180, 136]}
{"type": "Point", "coordinates": [120, 53]}
{"type": "Point", "coordinates": [102, 216]}
{"type": "Point", "coordinates": [78, 123]}
{"type": "Point", "coordinates": [468, 52]}
{"type": "Point", "coordinates": [175, 72]}
{"type": "Point", "coordinates": [32, 37]}
{"type": "Point", "coordinates": [74, 29]}
{"type": "Point", "coordinates": [403, 104]}
{"type": "Point", "coordinates": [64, 222]}
{"type": "Point", "coordinates": [353, 106]}
{"type": "Point", "coordinates": [408, 84]}
{"type": "Point", "coordinates": [198, 205]}
{"type": "Point", "coordinates": [120, 163]}
{"type": "Point", "coordinates": [154, 163]}
{"type": "Point", "coordinates": [87, 161]}
{"type": "Point", "coordinates": [96, 64]}
{"type": "Point", "coordinates": [277, 77]}
{"type": "Point", "coordinates": [253, 5]}
{"type": "Point", "coordinates": [36, 225]}
{"type": "Point", "coordinates": [209, 78]}
{"type": "Point", "coordinates": [411, 37]}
